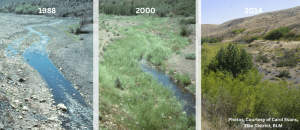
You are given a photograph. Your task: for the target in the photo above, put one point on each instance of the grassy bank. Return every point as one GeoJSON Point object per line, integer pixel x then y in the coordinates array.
{"type": "Point", "coordinates": [137, 100]}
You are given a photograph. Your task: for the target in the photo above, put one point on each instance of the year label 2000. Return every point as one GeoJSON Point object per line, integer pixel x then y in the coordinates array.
{"type": "Point", "coordinates": [143, 10]}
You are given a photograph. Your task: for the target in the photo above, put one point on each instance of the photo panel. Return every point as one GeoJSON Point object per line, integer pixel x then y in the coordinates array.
{"type": "Point", "coordinates": [147, 64]}
{"type": "Point", "coordinates": [46, 64]}
{"type": "Point", "coordinates": [250, 64]}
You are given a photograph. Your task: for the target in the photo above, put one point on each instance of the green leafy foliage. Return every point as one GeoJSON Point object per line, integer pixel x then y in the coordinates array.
{"type": "Point", "coordinates": [237, 31]}
{"type": "Point", "coordinates": [184, 79]}
{"type": "Point", "coordinates": [262, 58]}
{"type": "Point", "coordinates": [74, 28]}
{"type": "Point", "coordinates": [190, 56]}
{"type": "Point", "coordinates": [284, 73]}
{"type": "Point", "coordinates": [247, 94]}
{"type": "Point", "coordinates": [278, 33]}
{"type": "Point", "coordinates": [232, 60]}
{"type": "Point", "coordinates": [157, 54]}
{"type": "Point", "coordinates": [184, 30]}
{"type": "Point", "coordinates": [209, 40]}
{"type": "Point", "coordinates": [5, 11]}
{"type": "Point", "coordinates": [253, 38]}
{"type": "Point", "coordinates": [290, 58]}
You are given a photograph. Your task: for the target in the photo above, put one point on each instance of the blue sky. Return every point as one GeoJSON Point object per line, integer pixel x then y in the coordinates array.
{"type": "Point", "coordinates": [220, 11]}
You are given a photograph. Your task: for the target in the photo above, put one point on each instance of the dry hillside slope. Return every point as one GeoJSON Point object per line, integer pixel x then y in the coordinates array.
{"type": "Point", "coordinates": [256, 25]}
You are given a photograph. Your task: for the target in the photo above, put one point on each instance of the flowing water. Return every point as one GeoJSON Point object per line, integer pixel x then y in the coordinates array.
{"type": "Point", "coordinates": [78, 111]}
{"type": "Point", "coordinates": [186, 98]}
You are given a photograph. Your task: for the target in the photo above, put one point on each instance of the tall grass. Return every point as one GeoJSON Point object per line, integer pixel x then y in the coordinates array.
{"type": "Point", "coordinates": [144, 103]}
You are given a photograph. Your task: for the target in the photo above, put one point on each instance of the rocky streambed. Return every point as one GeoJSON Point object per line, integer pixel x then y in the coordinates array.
{"type": "Point", "coordinates": [26, 100]}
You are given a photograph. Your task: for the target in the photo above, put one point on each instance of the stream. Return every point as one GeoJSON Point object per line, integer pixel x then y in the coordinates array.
{"type": "Point", "coordinates": [79, 113]}
{"type": "Point", "coordinates": [186, 98]}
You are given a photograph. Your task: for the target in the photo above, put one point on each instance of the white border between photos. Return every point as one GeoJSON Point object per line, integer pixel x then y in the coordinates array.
{"type": "Point", "coordinates": [95, 64]}
{"type": "Point", "coordinates": [198, 65]}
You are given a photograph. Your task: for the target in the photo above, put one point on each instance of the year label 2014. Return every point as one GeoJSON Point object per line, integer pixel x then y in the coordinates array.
{"type": "Point", "coordinates": [253, 10]}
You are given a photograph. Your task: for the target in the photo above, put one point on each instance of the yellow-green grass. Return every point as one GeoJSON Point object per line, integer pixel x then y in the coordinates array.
{"type": "Point", "coordinates": [144, 100]}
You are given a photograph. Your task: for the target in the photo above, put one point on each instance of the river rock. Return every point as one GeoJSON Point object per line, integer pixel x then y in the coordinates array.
{"type": "Point", "coordinates": [24, 112]}
{"type": "Point", "coordinates": [16, 101]}
{"type": "Point", "coordinates": [21, 80]}
{"type": "Point", "coordinates": [43, 100]}
{"type": "Point", "coordinates": [25, 108]}
{"type": "Point", "coordinates": [62, 106]}
{"type": "Point", "coordinates": [52, 119]}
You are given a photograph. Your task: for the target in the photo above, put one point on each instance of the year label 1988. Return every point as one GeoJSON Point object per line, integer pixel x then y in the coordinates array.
{"type": "Point", "coordinates": [47, 10]}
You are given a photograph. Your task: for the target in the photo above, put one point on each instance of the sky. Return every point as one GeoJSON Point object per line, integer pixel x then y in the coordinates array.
{"type": "Point", "coordinates": [220, 11]}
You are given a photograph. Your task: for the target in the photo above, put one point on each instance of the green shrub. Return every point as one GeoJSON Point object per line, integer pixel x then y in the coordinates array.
{"type": "Point", "coordinates": [171, 14]}
{"type": "Point", "coordinates": [190, 56]}
{"type": "Point", "coordinates": [209, 40]}
{"type": "Point", "coordinates": [289, 58]}
{"type": "Point", "coordinates": [273, 57]}
{"type": "Point", "coordinates": [157, 54]}
{"type": "Point", "coordinates": [118, 84]}
{"type": "Point", "coordinates": [237, 31]}
{"type": "Point", "coordinates": [284, 73]}
{"type": "Point", "coordinates": [184, 79]}
{"type": "Point", "coordinates": [253, 38]}
{"type": "Point", "coordinates": [162, 13]}
{"type": "Point", "coordinates": [171, 71]}
{"type": "Point", "coordinates": [32, 10]}
{"type": "Point", "coordinates": [19, 10]}
{"type": "Point", "coordinates": [175, 47]}
{"type": "Point", "coordinates": [74, 28]}
{"type": "Point", "coordinates": [232, 60]}
{"type": "Point", "coordinates": [290, 35]}
{"type": "Point", "coordinates": [5, 11]}
{"type": "Point", "coordinates": [263, 58]}
{"type": "Point", "coordinates": [25, 11]}
{"type": "Point", "coordinates": [278, 33]}
{"type": "Point", "coordinates": [184, 30]}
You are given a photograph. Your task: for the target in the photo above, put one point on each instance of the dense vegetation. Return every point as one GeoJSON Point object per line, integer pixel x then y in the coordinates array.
{"type": "Point", "coordinates": [140, 98]}
{"type": "Point", "coordinates": [262, 58]}
{"type": "Point", "coordinates": [209, 40]}
{"type": "Point", "coordinates": [162, 8]}
{"type": "Point", "coordinates": [276, 34]}
{"type": "Point", "coordinates": [233, 60]}
{"type": "Point", "coordinates": [237, 31]}
{"type": "Point", "coordinates": [246, 94]}
{"type": "Point", "coordinates": [290, 57]}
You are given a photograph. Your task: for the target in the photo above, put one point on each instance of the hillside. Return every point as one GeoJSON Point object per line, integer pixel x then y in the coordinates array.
{"type": "Point", "coordinates": [255, 25]}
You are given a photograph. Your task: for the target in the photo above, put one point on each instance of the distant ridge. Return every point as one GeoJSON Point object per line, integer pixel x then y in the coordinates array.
{"type": "Point", "coordinates": [262, 23]}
